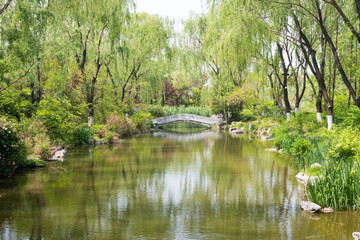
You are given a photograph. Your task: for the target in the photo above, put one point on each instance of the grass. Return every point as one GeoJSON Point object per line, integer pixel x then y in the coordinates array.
{"type": "Point", "coordinates": [338, 151]}
{"type": "Point", "coordinates": [32, 163]}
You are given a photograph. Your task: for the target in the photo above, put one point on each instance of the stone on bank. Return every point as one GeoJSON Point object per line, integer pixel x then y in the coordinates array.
{"type": "Point", "coordinates": [59, 156]}
{"type": "Point", "coordinates": [310, 207]}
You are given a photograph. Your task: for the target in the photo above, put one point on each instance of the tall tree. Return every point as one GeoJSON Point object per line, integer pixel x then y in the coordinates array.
{"type": "Point", "coordinates": [92, 27]}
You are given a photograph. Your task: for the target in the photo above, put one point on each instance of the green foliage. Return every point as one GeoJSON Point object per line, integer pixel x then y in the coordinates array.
{"type": "Point", "coordinates": [304, 122]}
{"type": "Point", "coordinates": [283, 138]}
{"type": "Point", "coordinates": [96, 128]}
{"type": "Point", "coordinates": [59, 117]}
{"type": "Point", "coordinates": [80, 136]}
{"type": "Point", "coordinates": [42, 146]}
{"type": "Point", "coordinates": [268, 108]}
{"type": "Point", "coordinates": [247, 115]}
{"type": "Point", "coordinates": [338, 187]}
{"type": "Point", "coordinates": [14, 104]}
{"type": "Point", "coordinates": [237, 125]}
{"type": "Point", "coordinates": [117, 125]}
{"type": "Point", "coordinates": [12, 148]}
{"type": "Point", "coordinates": [32, 163]}
{"type": "Point", "coordinates": [140, 119]}
{"type": "Point", "coordinates": [196, 100]}
{"type": "Point", "coordinates": [300, 147]}
{"type": "Point", "coordinates": [156, 111]}
{"type": "Point", "coordinates": [346, 116]}
{"type": "Point", "coordinates": [314, 171]}
{"type": "Point", "coordinates": [345, 144]}
{"type": "Point", "coordinates": [109, 135]}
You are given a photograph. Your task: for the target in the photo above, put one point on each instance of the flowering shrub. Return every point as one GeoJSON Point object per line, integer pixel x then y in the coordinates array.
{"type": "Point", "coordinates": [12, 148]}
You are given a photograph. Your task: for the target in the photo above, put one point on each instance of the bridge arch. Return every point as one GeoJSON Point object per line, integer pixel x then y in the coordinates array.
{"type": "Point", "coordinates": [206, 121]}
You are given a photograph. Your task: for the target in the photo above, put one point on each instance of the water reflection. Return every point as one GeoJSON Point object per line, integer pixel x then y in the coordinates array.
{"type": "Point", "coordinates": [187, 137]}
{"type": "Point", "coordinates": [184, 127]}
{"type": "Point", "coordinates": [152, 187]}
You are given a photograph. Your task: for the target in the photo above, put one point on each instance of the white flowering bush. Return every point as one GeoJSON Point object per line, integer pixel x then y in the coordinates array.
{"type": "Point", "coordinates": [12, 148]}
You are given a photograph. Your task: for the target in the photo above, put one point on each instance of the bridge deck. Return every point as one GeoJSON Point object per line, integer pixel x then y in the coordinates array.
{"type": "Point", "coordinates": [186, 118]}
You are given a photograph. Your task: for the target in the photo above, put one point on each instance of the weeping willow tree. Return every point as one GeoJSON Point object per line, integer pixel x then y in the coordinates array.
{"type": "Point", "coordinates": [91, 29]}
{"type": "Point", "coordinates": [23, 29]}
{"type": "Point", "coordinates": [224, 43]}
{"type": "Point", "coordinates": [140, 59]}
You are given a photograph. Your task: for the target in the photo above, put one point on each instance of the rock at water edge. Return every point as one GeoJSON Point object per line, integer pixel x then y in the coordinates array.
{"type": "Point", "coordinates": [271, 150]}
{"type": "Point", "coordinates": [356, 235]}
{"type": "Point", "coordinates": [59, 156]}
{"type": "Point", "coordinates": [264, 138]}
{"type": "Point", "coordinates": [327, 210]}
{"type": "Point", "coordinates": [239, 131]}
{"type": "Point", "coordinates": [232, 129]}
{"type": "Point", "coordinates": [315, 165]}
{"type": "Point", "coordinates": [309, 206]}
{"type": "Point", "coordinates": [302, 178]}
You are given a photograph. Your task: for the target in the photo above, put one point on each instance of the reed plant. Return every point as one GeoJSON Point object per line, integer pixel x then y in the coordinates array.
{"type": "Point", "coordinates": [338, 185]}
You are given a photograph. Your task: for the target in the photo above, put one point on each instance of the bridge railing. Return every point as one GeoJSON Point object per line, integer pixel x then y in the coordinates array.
{"type": "Point", "coordinates": [186, 118]}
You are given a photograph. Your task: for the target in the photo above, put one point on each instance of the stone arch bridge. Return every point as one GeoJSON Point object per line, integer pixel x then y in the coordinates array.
{"type": "Point", "coordinates": [206, 121]}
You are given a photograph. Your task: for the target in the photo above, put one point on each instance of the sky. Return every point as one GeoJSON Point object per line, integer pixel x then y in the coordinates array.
{"type": "Point", "coordinates": [177, 9]}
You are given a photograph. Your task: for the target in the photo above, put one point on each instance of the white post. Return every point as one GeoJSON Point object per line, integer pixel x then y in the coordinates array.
{"type": "Point", "coordinates": [296, 112]}
{"type": "Point", "coordinates": [318, 117]}
{"type": "Point", "coordinates": [90, 121]}
{"type": "Point", "coordinates": [288, 115]}
{"type": "Point", "coordinates": [330, 121]}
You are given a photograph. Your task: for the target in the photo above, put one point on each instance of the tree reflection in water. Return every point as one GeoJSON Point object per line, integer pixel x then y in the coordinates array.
{"type": "Point", "coordinates": [164, 186]}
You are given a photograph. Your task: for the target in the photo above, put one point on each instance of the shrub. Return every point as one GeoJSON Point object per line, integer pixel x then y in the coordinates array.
{"type": "Point", "coordinates": [109, 135]}
{"type": "Point", "coordinates": [345, 144]}
{"type": "Point", "coordinates": [314, 171]}
{"type": "Point", "coordinates": [247, 115]}
{"type": "Point", "coordinates": [59, 117]}
{"type": "Point", "coordinates": [12, 148]}
{"type": "Point", "coordinates": [237, 125]}
{"type": "Point", "coordinates": [140, 119]}
{"type": "Point", "coordinates": [96, 129]}
{"type": "Point", "coordinates": [283, 138]}
{"type": "Point", "coordinates": [345, 116]}
{"type": "Point", "coordinates": [80, 136]}
{"type": "Point", "coordinates": [32, 163]}
{"type": "Point", "coordinates": [156, 111]}
{"type": "Point", "coordinates": [116, 124]}
{"type": "Point", "coordinates": [42, 146]}
{"type": "Point", "coordinates": [300, 147]}
{"type": "Point", "coordinates": [268, 108]}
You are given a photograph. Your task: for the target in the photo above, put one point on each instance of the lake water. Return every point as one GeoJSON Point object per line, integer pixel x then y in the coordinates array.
{"type": "Point", "coordinates": [164, 185]}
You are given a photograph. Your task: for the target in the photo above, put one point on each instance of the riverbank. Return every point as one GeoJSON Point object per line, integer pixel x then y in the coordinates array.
{"type": "Point", "coordinates": [304, 138]}
{"type": "Point", "coordinates": [331, 158]}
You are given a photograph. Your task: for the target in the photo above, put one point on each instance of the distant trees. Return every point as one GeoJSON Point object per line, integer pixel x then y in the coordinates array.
{"type": "Point", "coordinates": [99, 55]}
{"type": "Point", "coordinates": [104, 56]}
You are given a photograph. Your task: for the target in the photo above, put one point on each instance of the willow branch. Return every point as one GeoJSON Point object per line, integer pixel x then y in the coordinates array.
{"type": "Point", "coordinates": [6, 6]}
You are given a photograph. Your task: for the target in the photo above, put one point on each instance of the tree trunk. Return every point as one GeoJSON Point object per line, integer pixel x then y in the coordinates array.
{"type": "Point", "coordinates": [284, 83]}
{"type": "Point", "coordinates": [299, 95]}
{"type": "Point", "coordinates": [163, 98]}
{"type": "Point", "coordinates": [336, 57]}
{"type": "Point", "coordinates": [114, 84]}
{"type": "Point", "coordinates": [319, 107]}
{"type": "Point", "coordinates": [91, 96]}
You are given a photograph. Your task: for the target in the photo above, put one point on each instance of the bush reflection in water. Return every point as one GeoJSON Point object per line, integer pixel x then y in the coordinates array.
{"type": "Point", "coordinates": [212, 187]}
